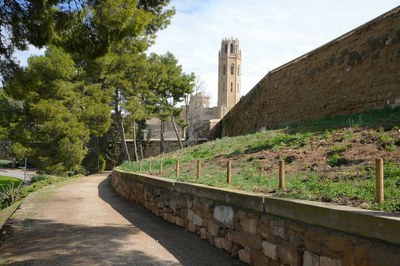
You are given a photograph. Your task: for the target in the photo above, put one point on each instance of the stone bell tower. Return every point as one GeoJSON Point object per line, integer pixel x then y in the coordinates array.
{"type": "Point", "coordinates": [229, 75]}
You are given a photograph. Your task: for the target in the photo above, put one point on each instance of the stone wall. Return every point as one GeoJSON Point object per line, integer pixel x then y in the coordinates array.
{"type": "Point", "coordinates": [268, 231]}
{"type": "Point", "coordinates": [356, 72]}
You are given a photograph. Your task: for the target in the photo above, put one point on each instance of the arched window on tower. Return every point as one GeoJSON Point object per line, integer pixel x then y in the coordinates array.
{"type": "Point", "coordinates": [231, 86]}
{"type": "Point", "coordinates": [232, 48]}
{"type": "Point", "coordinates": [232, 69]}
{"type": "Point", "coordinates": [226, 48]}
{"type": "Point", "coordinates": [224, 70]}
{"type": "Point", "coordinates": [238, 72]}
{"type": "Point", "coordinates": [236, 49]}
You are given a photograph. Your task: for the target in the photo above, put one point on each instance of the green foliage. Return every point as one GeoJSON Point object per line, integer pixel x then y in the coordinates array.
{"type": "Point", "coordinates": [39, 177]}
{"type": "Point", "coordinates": [9, 193]}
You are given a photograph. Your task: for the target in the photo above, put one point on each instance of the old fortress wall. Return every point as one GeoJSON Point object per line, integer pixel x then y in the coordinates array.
{"type": "Point", "coordinates": [356, 72]}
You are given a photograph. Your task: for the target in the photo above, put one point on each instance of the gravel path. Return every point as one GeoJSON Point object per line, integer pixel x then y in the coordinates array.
{"type": "Point", "coordinates": [85, 222]}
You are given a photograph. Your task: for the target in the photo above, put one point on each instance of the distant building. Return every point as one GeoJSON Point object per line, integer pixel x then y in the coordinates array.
{"type": "Point", "coordinates": [199, 115]}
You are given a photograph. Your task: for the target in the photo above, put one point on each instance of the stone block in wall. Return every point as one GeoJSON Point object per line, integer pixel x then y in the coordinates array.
{"type": "Point", "coordinates": [239, 238]}
{"type": "Point", "coordinates": [235, 250]}
{"type": "Point", "coordinates": [279, 228]}
{"type": "Point", "coordinates": [191, 227]}
{"type": "Point", "coordinates": [270, 250]}
{"type": "Point", "coordinates": [210, 238]}
{"type": "Point", "coordinates": [217, 242]}
{"type": "Point", "coordinates": [169, 217]}
{"type": "Point", "coordinates": [244, 256]}
{"type": "Point", "coordinates": [310, 259]}
{"type": "Point", "coordinates": [224, 214]}
{"type": "Point", "coordinates": [249, 225]}
{"type": "Point", "coordinates": [325, 261]}
{"type": "Point", "coordinates": [258, 258]}
{"type": "Point", "coordinates": [289, 255]}
{"type": "Point", "coordinates": [197, 220]}
{"type": "Point", "coordinates": [179, 221]}
{"type": "Point", "coordinates": [190, 214]}
{"type": "Point", "coordinates": [203, 233]}
{"type": "Point", "coordinates": [213, 228]}
{"type": "Point", "coordinates": [314, 240]}
{"type": "Point", "coordinates": [296, 239]}
{"type": "Point", "coordinates": [336, 243]}
{"type": "Point", "coordinates": [254, 242]}
{"type": "Point", "coordinates": [226, 245]}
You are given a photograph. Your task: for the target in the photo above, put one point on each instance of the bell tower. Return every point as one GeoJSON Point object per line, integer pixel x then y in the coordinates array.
{"type": "Point", "coordinates": [229, 75]}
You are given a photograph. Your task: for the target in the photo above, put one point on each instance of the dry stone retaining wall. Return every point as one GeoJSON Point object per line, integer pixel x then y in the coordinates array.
{"type": "Point", "coordinates": [246, 225]}
{"type": "Point", "coordinates": [356, 72]}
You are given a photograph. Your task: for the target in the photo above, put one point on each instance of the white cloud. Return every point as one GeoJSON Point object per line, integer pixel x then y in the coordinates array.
{"type": "Point", "coordinates": [270, 32]}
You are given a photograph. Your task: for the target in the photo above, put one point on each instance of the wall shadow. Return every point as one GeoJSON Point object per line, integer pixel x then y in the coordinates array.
{"type": "Point", "coordinates": [187, 247]}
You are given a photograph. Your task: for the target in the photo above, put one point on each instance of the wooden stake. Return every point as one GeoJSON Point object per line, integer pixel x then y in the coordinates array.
{"type": "Point", "coordinates": [198, 168]}
{"type": "Point", "coordinates": [229, 172]}
{"type": "Point", "coordinates": [160, 168]}
{"type": "Point", "coordinates": [150, 167]}
{"type": "Point", "coordinates": [177, 168]}
{"type": "Point", "coordinates": [281, 174]}
{"type": "Point", "coordinates": [379, 180]}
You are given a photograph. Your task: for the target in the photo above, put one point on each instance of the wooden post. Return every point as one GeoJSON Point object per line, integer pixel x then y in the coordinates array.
{"type": "Point", "coordinates": [281, 174]}
{"type": "Point", "coordinates": [150, 167]}
{"type": "Point", "coordinates": [379, 180]}
{"type": "Point", "coordinates": [177, 168]}
{"type": "Point", "coordinates": [160, 168]}
{"type": "Point", "coordinates": [229, 172]}
{"type": "Point", "coordinates": [140, 166]}
{"type": "Point", "coordinates": [198, 168]}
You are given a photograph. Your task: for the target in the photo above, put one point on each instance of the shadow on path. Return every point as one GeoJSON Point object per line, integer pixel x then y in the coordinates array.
{"type": "Point", "coordinates": [45, 242]}
{"type": "Point", "coordinates": [187, 247]}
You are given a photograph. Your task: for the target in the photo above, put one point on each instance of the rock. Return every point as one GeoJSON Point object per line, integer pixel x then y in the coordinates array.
{"type": "Point", "coordinates": [191, 227]}
{"type": "Point", "coordinates": [217, 242]}
{"type": "Point", "coordinates": [210, 238]}
{"type": "Point", "coordinates": [244, 256]}
{"type": "Point", "coordinates": [258, 258]}
{"type": "Point", "coordinates": [234, 250]}
{"type": "Point", "coordinates": [325, 261]}
{"type": "Point", "coordinates": [314, 240]}
{"type": "Point", "coordinates": [310, 259]}
{"type": "Point", "coordinates": [270, 250]}
{"type": "Point", "coordinates": [289, 255]}
{"type": "Point", "coordinates": [197, 220]}
{"type": "Point", "coordinates": [239, 238]}
{"type": "Point", "coordinates": [337, 243]}
{"type": "Point", "coordinates": [279, 228]}
{"type": "Point", "coordinates": [203, 233]}
{"type": "Point", "coordinates": [227, 245]}
{"type": "Point", "coordinates": [190, 214]}
{"type": "Point", "coordinates": [213, 228]}
{"type": "Point", "coordinates": [249, 225]}
{"type": "Point", "coordinates": [224, 214]}
{"type": "Point", "coordinates": [254, 242]}
{"type": "Point", "coordinates": [179, 221]}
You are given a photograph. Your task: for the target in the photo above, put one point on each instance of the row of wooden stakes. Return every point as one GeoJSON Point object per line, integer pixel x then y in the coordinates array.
{"type": "Point", "coordinates": [378, 169]}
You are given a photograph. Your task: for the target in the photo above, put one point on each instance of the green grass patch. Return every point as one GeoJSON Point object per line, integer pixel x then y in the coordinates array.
{"type": "Point", "coordinates": [326, 155]}
{"type": "Point", "coordinates": [5, 180]}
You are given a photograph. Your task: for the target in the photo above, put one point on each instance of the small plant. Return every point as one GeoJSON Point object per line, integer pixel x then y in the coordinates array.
{"type": "Point", "coordinates": [39, 177]}
{"type": "Point", "coordinates": [9, 194]}
{"type": "Point", "coordinates": [338, 148]}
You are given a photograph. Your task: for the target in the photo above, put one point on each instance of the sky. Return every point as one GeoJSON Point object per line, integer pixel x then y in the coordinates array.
{"type": "Point", "coordinates": [271, 32]}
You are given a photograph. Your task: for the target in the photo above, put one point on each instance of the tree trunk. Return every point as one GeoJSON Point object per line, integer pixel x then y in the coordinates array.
{"type": "Point", "coordinates": [135, 149]}
{"type": "Point", "coordinates": [176, 132]}
{"type": "Point", "coordinates": [162, 130]}
{"type": "Point", "coordinates": [123, 141]}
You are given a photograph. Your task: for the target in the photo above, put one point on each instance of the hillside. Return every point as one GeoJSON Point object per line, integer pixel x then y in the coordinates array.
{"type": "Point", "coordinates": [329, 160]}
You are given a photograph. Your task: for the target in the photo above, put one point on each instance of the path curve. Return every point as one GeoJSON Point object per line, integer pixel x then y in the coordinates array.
{"type": "Point", "coordinates": [86, 222]}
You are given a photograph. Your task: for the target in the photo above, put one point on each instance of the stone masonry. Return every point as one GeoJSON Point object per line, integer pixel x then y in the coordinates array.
{"type": "Point", "coordinates": [255, 238]}
{"type": "Point", "coordinates": [356, 72]}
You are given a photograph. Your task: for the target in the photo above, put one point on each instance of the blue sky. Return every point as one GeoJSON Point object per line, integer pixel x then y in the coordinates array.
{"type": "Point", "coordinates": [271, 32]}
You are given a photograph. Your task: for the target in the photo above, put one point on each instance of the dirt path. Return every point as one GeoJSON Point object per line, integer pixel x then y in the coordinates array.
{"type": "Point", "coordinates": [85, 222]}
